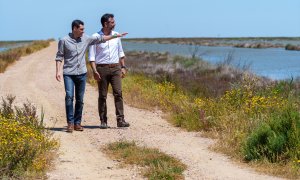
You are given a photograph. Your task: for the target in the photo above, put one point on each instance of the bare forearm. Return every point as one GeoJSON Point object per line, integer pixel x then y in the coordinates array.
{"type": "Point", "coordinates": [122, 61]}
{"type": "Point", "coordinates": [93, 66]}
{"type": "Point", "coordinates": [58, 66]}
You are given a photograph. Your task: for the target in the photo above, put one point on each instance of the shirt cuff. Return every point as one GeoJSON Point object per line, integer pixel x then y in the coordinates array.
{"type": "Point", "coordinates": [121, 54]}
{"type": "Point", "coordinates": [58, 59]}
{"type": "Point", "coordinates": [92, 59]}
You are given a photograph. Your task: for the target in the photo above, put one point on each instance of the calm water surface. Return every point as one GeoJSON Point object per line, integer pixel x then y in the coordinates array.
{"type": "Point", "coordinates": [2, 49]}
{"type": "Point", "coordinates": [275, 63]}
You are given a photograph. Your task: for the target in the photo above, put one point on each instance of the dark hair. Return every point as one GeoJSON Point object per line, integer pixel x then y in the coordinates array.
{"type": "Point", "coordinates": [76, 23]}
{"type": "Point", "coordinates": [105, 18]}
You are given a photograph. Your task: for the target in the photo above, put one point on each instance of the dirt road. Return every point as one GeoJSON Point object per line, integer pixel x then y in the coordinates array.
{"type": "Point", "coordinates": [80, 156]}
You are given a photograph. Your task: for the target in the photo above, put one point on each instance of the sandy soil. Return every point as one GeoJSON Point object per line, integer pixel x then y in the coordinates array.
{"type": "Point", "coordinates": [80, 156]}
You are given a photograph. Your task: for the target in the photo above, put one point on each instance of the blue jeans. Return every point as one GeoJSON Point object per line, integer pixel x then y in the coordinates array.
{"type": "Point", "coordinates": [77, 83]}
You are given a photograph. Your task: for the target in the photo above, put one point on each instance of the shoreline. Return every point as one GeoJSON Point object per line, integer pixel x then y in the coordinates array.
{"type": "Point", "coordinates": [257, 43]}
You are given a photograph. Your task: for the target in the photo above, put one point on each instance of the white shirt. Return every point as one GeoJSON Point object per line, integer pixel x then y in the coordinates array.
{"type": "Point", "coordinates": [108, 52]}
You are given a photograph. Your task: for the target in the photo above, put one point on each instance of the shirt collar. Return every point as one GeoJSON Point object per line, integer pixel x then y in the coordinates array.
{"type": "Point", "coordinates": [71, 35]}
{"type": "Point", "coordinates": [101, 32]}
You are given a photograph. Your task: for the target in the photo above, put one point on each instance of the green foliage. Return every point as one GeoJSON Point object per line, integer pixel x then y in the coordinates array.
{"type": "Point", "coordinates": [187, 62]}
{"type": "Point", "coordinates": [276, 139]}
{"type": "Point", "coordinates": [25, 144]}
{"type": "Point", "coordinates": [254, 118]}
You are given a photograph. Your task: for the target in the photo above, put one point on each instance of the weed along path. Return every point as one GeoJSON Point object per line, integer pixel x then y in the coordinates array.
{"type": "Point", "coordinates": [80, 155]}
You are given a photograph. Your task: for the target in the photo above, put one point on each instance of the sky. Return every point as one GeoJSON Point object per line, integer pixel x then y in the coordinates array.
{"type": "Point", "coordinates": [44, 19]}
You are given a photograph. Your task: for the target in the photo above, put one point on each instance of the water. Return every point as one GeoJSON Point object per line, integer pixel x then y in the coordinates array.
{"type": "Point", "coordinates": [275, 63]}
{"type": "Point", "coordinates": [14, 45]}
{"type": "Point", "coordinates": [3, 49]}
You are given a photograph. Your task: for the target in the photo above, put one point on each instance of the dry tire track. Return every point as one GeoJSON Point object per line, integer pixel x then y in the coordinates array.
{"type": "Point", "coordinates": [80, 156]}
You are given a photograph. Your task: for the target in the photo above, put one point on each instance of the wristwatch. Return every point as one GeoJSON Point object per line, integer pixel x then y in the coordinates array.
{"type": "Point", "coordinates": [123, 67]}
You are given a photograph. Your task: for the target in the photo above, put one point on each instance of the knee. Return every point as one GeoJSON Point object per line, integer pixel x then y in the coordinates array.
{"type": "Point", "coordinates": [117, 93]}
{"type": "Point", "coordinates": [79, 101]}
{"type": "Point", "coordinates": [102, 95]}
{"type": "Point", "coordinates": [69, 99]}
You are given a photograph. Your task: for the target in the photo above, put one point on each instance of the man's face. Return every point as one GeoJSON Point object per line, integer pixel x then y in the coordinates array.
{"type": "Point", "coordinates": [78, 32]}
{"type": "Point", "coordinates": [110, 24]}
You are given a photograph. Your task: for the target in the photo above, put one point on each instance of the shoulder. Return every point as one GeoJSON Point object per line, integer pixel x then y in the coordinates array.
{"type": "Point", "coordinates": [63, 38]}
{"type": "Point", "coordinates": [61, 41]}
{"type": "Point", "coordinates": [95, 34]}
{"type": "Point", "coordinates": [84, 36]}
{"type": "Point", "coordinates": [114, 32]}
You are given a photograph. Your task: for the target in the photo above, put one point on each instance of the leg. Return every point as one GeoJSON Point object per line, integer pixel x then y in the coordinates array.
{"type": "Point", "coordinates": [69, 88]}
{"type": "Point", "coordinates": [79, 94]}
{"type": "Point", "coordinates": [116, 83]}
{"type": "Point", "coordinates": [102, 89]}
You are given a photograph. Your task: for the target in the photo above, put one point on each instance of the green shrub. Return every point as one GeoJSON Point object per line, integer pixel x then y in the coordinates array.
{"type": "Point", "coordinates": [26, 146]}
{"type": "Point", "coordinates": [276, 140]}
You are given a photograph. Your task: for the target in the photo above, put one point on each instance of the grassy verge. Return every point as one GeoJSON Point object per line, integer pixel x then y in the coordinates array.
{"type": "Point", "coordinates": [256, 120]}
{"type": "Point", "coordinates": [10, 56]}
{"type": "Point", "coordinates": [26, 147]}
{"type": "Point", "coordinates": [157, 165]}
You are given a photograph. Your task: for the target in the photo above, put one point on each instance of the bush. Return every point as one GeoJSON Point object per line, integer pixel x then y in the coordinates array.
{"type": "Point", "coordinates": [25, 145]}
{"type": "Point", "coordinates": [277, 139]}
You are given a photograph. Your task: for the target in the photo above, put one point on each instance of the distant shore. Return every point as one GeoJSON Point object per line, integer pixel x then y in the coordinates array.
{"type": "Point", "coordinates": [289, 43]}
{"type": "Point", "coordinates": [9, 43]}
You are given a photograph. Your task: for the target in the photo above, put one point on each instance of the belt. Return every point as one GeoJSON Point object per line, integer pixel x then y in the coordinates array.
{"type": "Point", "coordinates": [108, 65]}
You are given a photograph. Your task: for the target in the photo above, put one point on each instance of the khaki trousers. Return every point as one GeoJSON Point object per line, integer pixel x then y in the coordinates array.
{"type": "Point", "coordinates": [110, 75]}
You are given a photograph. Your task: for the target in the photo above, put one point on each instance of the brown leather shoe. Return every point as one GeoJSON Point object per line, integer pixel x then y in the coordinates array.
{"type": "Point", "coordinates": [103, 125]}
{"type": "Point", "coordinates": [70, 128]}
{"type": "Point", "coordinates": [122, 123]}
{"type": "Point", "coordinates": [78, 127]}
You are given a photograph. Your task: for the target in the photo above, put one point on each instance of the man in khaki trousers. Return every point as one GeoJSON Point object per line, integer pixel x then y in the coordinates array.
{"type": "Point", "coordinates": [108, 63]}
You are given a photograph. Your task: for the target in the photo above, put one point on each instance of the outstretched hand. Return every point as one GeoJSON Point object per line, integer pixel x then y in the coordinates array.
{"type": "Point", "coordinates": [122, 34]}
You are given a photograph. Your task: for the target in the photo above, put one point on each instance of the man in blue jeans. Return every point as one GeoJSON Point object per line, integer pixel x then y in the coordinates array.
{"type": "Point", "coordinates": [72, 50]}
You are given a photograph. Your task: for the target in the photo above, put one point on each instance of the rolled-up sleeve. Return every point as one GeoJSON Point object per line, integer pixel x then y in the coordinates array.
{"type": "Point", "coordinates": [96, 39]}
{"type": "Point", "coordinates": [120, 49]}
{"type": "Point", "coordinates": [92, 53]}
{"type": "Point", "coordinates": [60, 52]}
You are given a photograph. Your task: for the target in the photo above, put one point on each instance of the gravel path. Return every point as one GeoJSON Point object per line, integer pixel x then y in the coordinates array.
{"type": "Point", "coordinates": [80, 156]}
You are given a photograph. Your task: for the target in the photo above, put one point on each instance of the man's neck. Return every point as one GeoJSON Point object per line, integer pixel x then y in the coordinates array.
{"type": "Point", "coordinates": [106, 31]}
{"type": "Point", "coordinates": [74, 36]}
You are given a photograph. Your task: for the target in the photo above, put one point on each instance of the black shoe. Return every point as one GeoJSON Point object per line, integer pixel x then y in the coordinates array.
{"type": "Point", "coordinates": [122, 123]}
{"type": "Point", "coordinates": [103, 125]}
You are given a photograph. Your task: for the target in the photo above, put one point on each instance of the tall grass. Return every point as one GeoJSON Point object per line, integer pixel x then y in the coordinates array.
{"type": "Point", "coordinates": [26, 147]}
{"type": "Point", "coordinates": [254, 119]}
{"type": "Point", "coordinates": [10, 56]}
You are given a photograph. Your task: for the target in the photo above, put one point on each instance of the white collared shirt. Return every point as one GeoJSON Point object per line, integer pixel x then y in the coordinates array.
{"type": "Point", "coordinates": [106, 53]}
